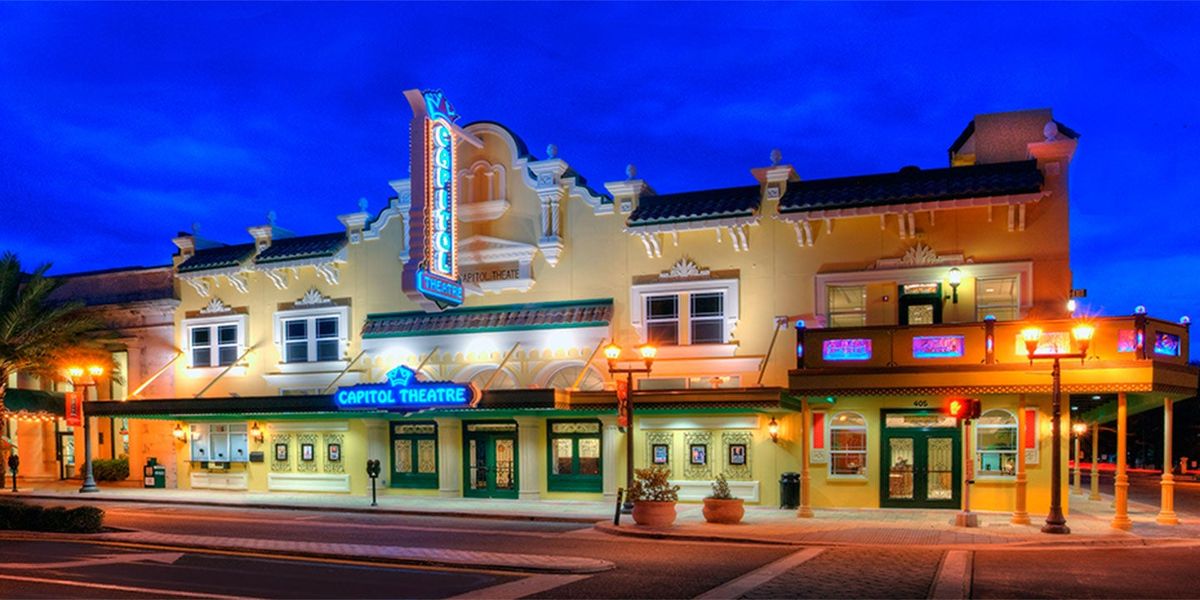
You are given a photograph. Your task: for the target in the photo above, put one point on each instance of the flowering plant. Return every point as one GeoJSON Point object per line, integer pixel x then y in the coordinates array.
{"type": "Point", "coordinates": [653, 485]}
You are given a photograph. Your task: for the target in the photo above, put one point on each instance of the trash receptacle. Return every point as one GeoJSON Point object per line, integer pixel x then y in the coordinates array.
{"type": "Point", "coordinates": [789, 490]}
{"type": "Point", "coordinates": [154, 475]}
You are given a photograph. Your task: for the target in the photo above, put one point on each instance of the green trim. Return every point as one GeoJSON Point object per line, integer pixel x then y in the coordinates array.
{"type": "Point", "coordinates": [575, 481]}
{"type": "Point", "coordinates": [489, 438]}
{"type": "Point", "coordinates": [428, 332]}
{"type": "Point", "coordinates": [414, 480]}
{"type": "Point", "coordinates": [920, 477]}
{"type": "Point", "coordinates": [490, 309]}
{"type": "Point", "coordinates": [497, 308]}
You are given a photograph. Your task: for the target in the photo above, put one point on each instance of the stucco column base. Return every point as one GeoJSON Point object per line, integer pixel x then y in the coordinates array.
{"type": "Point", "coordinates": [1167, 515]}
{"type": "Point", "coordinates": [1121, 503]}
{"type": "Point", "coordinates": [805, 512]}
{"type": "Point", "coordinates": [966, 519]}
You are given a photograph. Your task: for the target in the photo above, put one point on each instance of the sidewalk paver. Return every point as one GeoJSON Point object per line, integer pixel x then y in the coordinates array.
{"type": "Point", "coordinates": [857, 573]}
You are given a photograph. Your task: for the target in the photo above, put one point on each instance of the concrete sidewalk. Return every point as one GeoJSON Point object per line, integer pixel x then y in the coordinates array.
{"type": "Point", "coordinates": [477, 508]}
{"type": "Point", "coordinates": [1089, 522]}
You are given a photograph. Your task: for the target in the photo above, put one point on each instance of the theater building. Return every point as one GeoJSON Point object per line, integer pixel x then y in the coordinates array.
{"type": "Point", "coordinates": [801, 325]}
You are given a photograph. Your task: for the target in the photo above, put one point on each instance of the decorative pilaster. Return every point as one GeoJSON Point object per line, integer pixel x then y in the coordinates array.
{"type": "Point", "coordinates": [529, 479]}
{"type": "Point", "coordinates": [1166, 515]}
{"type": "Point", "coordinates": [450, 457]}
{"type": "Point", "coordinates": [1020, 514]}
{"type": "Point", "coordinates": [547, 177]}
{"type": "Point", "coordinates": [805, 511]}
{"type": "Point", "coordinates": [610, 467]}
{"type": "Point", "coordinates": [1121, 487]}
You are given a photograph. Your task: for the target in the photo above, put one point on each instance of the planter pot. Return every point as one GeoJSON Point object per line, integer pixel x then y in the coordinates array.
{"type": "Point", "coordinates": [654, 514]}
{"type": "Point", "coordinates": [724, 511]}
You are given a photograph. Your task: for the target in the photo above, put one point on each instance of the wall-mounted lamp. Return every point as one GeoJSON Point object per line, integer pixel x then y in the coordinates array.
{"type": "Point", "coordinates": [773, 429]}
{"type": "Point", "coordinates": [955, 281]}
{"type": "Point", "coordinates": [256, 432]}
{"type": "Point", "coordinates": [179, 433]}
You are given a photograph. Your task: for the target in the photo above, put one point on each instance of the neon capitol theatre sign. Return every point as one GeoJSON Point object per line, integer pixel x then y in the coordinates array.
{"type": "Point", "coordinates": [431, 277]}
{"type": "Point", "coordinates": [403, 391]}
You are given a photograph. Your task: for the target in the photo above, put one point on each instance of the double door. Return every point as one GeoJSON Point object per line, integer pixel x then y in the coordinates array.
{"type": "Point", "coordinates": [491, 460]}
{"type": "Point", "coordinates": [922, 460]}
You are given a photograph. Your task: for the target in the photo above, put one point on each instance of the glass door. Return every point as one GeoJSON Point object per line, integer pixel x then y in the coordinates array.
{"type": "Point", "coordinates": [66, 454]}
{"type": "Point", "coordinates": [920, 304]}
{"type": "Point", "coordinates": [922, 457]}
{"type": "Point", "coordinates": [414, 455]}
{"type": "Point", "coordinates": [491, 460]}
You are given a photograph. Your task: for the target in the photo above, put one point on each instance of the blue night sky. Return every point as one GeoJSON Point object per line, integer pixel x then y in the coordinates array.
{"type": "Point", "coordinates": [122, 124]}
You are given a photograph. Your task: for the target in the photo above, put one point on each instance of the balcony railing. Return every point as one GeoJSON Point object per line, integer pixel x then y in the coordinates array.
{"type": "Point", "coordinates": [1132, 338]}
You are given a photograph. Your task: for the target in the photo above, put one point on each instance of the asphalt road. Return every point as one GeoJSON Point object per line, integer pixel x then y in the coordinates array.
{"type": "Point", "coordinates": [645, 568]}
{"type": "Point", "coordinates": [1146, 488]}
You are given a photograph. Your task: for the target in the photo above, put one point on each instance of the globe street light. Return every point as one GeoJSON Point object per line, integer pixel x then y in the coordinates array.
{"type": "Point", "coordinates": [1055, 521]}
{"type": "Point", "coordinates": [81, 378]}
{"type": "Point", "coordinates": [625, 404]}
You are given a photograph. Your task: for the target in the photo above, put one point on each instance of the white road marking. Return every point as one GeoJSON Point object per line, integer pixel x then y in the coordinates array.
{"type": "Point", "coordinates": [120, 588]}
{"type": "Point", "coordinates": [953, 581]}
{"type": "Point", "coordinates": [520, 588]}
{"type": "Point", "coordinates": [736, 588]}
{"type": "Point", "coordinates": [104, 559]}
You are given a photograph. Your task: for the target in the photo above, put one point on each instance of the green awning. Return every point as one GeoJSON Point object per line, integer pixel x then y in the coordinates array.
{"type": "Point", "coordinates": [34, 401]}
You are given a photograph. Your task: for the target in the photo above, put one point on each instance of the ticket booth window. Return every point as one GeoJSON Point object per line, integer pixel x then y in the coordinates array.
{"type": "Point", "coordinates": [575, 461]}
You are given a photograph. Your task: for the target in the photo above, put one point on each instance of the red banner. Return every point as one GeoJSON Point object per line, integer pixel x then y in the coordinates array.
{"type": "Point", "coordinates": [622, 403]}
{"type": "Point", "coordinates": [74, 409]}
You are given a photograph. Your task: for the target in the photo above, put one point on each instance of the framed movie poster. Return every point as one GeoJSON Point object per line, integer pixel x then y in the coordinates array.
{"type": "Point", "coordinates": [335, 452]}
{"type": "Point", "coordinates": [661, 454]}
{"type": "Point", "coordinates": [306, 453]}
{"type": "Point", "coordinates": [737, 454]}
{"type": "Point", "coordinates": [281, 452]}
{"type": "Point", "coordinates": [699, 454]}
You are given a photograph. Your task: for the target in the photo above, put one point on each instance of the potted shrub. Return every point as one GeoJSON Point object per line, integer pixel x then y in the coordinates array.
{"type": "Point", "coordinates": [721, 506]}
{"type": "Point", "coordinates": [653, 497]}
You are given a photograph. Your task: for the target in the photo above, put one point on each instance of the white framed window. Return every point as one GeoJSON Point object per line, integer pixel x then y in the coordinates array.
{"type": "Point", "coordinates": [219, 442]}
{"type": "Point", "coordinates": [683, 313]}
{"type": "Point", "coordinates": [996, 444]}
{"type": "Point", "coordinates": [312, 335]}
{"type": "Point", "coordinates": [214, 341]}
{"type": "Point", "coordinates": [847, 305]}
{"type": "Point", "coordinates": [847, 444]}
{"type": "Point", "coordinates": [999, 297]}
{"type": "Point", "coordinates": [662, 320]}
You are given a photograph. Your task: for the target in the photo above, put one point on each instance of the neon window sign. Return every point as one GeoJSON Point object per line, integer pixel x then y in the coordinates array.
{"type": "Point", "coordinates": [1127, 340]}
{"type": "Point", "coordinates": [846, 349]}
{"type": "Point", "coordinates": [431, 276]}
{"type": "Point", "coordinates": [938, 346]}
{"type": "Point", "coordinates": [404, 392]}
{"type": "Point", "coordinates": [1166, 344]}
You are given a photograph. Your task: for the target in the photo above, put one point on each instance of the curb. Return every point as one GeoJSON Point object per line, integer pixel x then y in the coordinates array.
{"type": "Point", "coordinates": [666, 534]}
{"type": "Point", "coordinates": [459, 559]}
{"type": "Point", "coordinates": [333, 509]}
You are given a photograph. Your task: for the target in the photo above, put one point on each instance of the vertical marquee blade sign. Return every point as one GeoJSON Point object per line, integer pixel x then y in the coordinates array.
{"type": "Point", "coordinates": [431, 274]}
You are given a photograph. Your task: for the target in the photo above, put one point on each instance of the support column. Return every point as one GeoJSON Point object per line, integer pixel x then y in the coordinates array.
{"type": "Point", "coordinates": [1167, 516]}
{"type": "Point", "coordinates": [1077, 476]}
{"type": "Point", "coordinates": [610, 467]}
{"type": "Point", "coordinates": [1121, 487]}
{"type": "Point", "coordinates": [1095, 480]}
{"type": "Point", "coordinates": [1020, 514]}
{"type": "Point", "coordinates": [450, 457]}
{"type": "Point", "coordinates": [530, 431]}
{"type": "Point", "coordinates": [805, 511]}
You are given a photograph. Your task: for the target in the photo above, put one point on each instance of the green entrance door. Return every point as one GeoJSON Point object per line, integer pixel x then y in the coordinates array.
{"type": "Point", "coordinates": [490, 452]}
{"type": "Point", "coordinates": [922, 460]}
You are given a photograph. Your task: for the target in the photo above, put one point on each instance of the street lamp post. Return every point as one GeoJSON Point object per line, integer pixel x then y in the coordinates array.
{"type": "Point", "coordinates": [1079, 429]}
{"type": "Point", "coordinates": [1055, 521]}
{"type": "Point", "coordinates": [625, 406]}
{"type": "Point", "coordinates": [84, 379]}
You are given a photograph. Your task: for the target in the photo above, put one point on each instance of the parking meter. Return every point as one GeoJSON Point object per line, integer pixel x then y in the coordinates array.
{"type": "Point", "coordinates": [373, 468]}
{"type": "Point", "coordinates": [14, 463]}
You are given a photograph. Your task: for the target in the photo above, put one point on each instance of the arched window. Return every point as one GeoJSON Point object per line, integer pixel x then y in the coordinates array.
{"type": "Point", "coordinates": [847, 444]}
{"type": "Point", "coordinates": [503, 381]}
{"type": "Point", "coordinates": [565, 377]}
{"type": "Point", "coordinates": [996, 443]}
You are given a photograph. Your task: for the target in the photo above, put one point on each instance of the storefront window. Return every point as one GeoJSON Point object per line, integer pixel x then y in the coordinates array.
{"type": "Point", "coordinates": [996, 443]}
{"type": "Point", "coordinates": [414, 455]}
{"type": "Point", "coordinates": [847, 444]}
{"type": "Point", "coordinates": [574, 456]}
{"type": "Point", "coordinates": [847, 305]}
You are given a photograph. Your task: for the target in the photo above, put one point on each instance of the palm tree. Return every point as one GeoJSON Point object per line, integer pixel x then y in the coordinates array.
{"type": "Point", "coordinates": [37, 334]}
